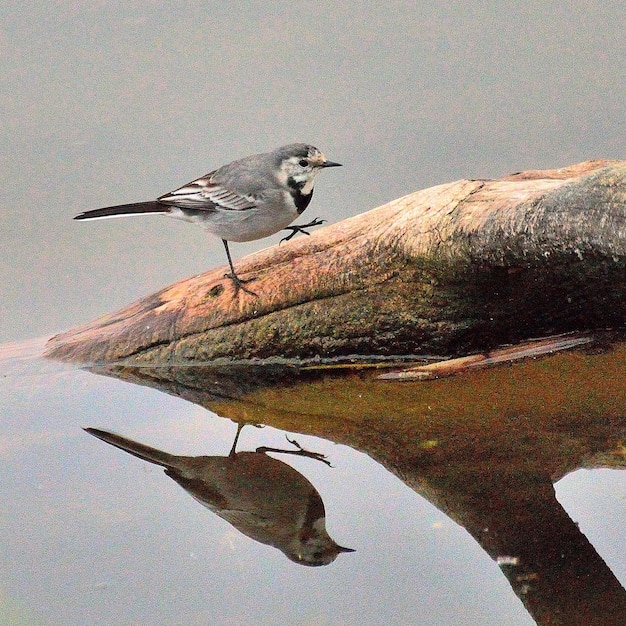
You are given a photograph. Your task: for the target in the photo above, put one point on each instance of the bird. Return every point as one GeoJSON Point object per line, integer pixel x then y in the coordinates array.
{"type": "Point", "coordinates": [262, 497]}
{"type": "Point", "coordinates": [245, 200]}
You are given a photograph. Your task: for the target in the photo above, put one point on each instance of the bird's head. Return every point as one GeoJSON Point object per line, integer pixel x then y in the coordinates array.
{"type": "Point", "coordinates": [299, 164]}
{"type": "Point", "coordinates": [312, 545]}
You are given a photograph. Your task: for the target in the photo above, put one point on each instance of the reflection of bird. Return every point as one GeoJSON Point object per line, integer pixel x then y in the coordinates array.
{"type": "Point", "coordinates": [245, 200]}
{"type": "Point", "coordinates": [262, 497]}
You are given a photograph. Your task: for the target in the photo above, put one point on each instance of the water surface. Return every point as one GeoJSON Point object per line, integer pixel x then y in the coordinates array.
{"type": "Point", "coordinates": [443, 489]}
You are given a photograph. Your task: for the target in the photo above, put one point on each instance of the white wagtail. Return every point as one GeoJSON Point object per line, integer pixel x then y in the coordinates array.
{"type": "Point", "coordinates": [245, 200]}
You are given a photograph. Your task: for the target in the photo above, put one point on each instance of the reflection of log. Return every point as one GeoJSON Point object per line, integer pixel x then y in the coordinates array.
{"type": "Point", "coordinates": [513, 513]}
{"type": "Point", "coordinates": [484, 447]}
{"type": "Point", "coordinates": [456, 267]}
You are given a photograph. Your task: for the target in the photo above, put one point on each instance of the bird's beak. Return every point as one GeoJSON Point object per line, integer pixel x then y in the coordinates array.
{"type": "Point", "coordinates": [330, 164]}
{"type": "Point", "coordinates": [342, 549]}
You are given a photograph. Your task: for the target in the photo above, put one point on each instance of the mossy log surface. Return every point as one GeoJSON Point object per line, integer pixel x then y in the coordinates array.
{"type": "Point", "coordinates": [459, 267]}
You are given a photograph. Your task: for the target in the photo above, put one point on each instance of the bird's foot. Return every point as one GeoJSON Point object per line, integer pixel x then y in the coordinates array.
{"type": "Point", "coordinates": [240, 283]}
{"type": "Point", "coordinates": [300, 228]}
{"type": "Point", "coordinates": [299, 452]}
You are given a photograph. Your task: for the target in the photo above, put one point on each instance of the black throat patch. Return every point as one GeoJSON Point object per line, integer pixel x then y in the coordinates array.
{"type": "Point", "coordinates": [300, 199]}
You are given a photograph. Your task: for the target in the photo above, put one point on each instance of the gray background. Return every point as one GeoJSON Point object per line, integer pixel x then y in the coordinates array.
{"type": "Point", "coordinates": [110, 102]}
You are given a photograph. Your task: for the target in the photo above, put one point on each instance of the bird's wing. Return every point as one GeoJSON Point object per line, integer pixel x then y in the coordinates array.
{"type": "Point", "coordinates": [204, 194]}
{"type": "Point", "coordinates": [244, 519]}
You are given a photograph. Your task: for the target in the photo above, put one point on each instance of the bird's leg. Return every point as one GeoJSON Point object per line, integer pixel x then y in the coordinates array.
{"type": "Point", "coordinates": [238, 282]}
{"type": "Point", "coordinates": [299, 452]}
{"type": "Point", "coordinates": [295, 229]}
{"type": "Point", "coordinates": [234, 446]}
{"type": "Point", "coordinates": [240, 425]}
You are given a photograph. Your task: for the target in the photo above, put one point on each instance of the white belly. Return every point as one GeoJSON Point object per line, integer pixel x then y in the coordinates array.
{"type": "Point", "coordinates": [246, 225]}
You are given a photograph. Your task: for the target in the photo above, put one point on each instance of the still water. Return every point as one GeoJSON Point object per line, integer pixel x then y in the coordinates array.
{"type": "Point", "coordinates": [443, 489]}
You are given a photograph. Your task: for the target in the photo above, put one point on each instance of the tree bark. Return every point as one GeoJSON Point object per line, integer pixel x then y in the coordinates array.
{"type": "Point", "coordinates": [459, 267]}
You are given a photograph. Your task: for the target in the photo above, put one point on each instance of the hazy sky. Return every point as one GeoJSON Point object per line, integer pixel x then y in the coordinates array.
{"type": "Point", "coordinates": [110, 102]}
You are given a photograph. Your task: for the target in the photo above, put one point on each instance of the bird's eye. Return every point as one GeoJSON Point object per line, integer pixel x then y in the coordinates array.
{"type": "Point", "coordinates": [303, 163]}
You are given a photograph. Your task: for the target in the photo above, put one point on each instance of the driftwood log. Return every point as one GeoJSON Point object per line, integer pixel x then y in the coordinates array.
{"type": "Point", "coordinates": [448, 270]}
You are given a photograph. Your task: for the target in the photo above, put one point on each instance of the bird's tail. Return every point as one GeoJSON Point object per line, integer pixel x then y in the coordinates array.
{"type": "Point", "coordinates": [135, 448]}
{"type": "Point", "coordinates": [138, 208]}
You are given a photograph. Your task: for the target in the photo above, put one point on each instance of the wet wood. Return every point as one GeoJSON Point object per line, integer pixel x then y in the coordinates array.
{"type": "Point", "coordinates": [456, 268]}
{"type": "Point", "coordinates": [509, 354]}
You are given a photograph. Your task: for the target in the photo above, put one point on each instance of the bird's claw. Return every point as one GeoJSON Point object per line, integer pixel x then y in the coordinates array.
{"type": "Point", "coordinates": [299, 452]}
{"type": "Point", "coordinates": [240, 283]}
{"type": "Point", "coordinates": [318, 456]}
{"type": "Point", "coordinates": [300, 228]}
